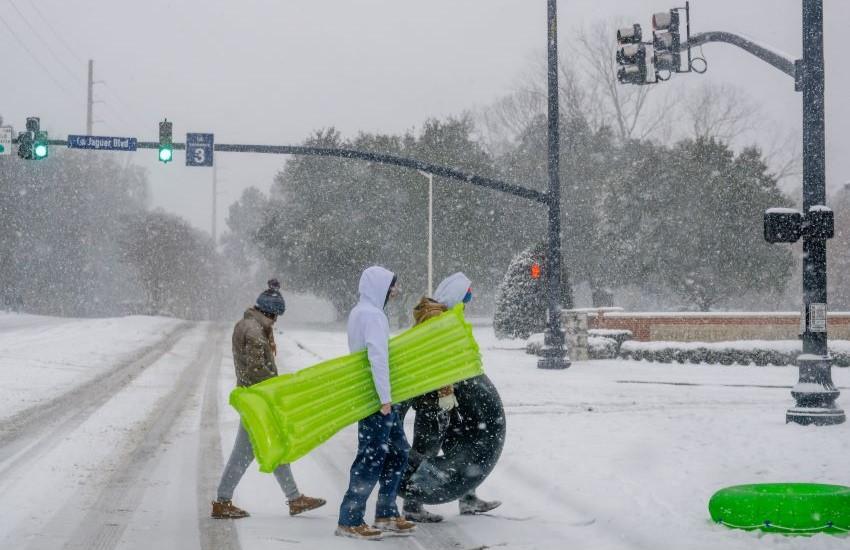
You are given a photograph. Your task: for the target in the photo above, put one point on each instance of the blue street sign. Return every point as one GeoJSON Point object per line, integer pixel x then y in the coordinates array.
{"type": "Point", "coordinates": [199, 149]}
{"type": "Point", "coordinates": [102, 143]}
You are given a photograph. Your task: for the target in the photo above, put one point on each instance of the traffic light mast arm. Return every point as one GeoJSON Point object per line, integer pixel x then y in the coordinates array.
{"type": "Point", "coordinates": [784, 64]}
{"type": "Point", "coordinates": [435, 169]}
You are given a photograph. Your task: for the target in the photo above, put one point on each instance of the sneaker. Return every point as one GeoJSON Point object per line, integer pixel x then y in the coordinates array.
{"type": "Point", "coordinates": [361, 531]}
{"type": "Point", "coordinates": [304, 504]}
{"type": "Point", "coordinates": [224, 509]}
{"type": "Point", "coordinates": [475, 505]}
{"type": "Point", "coordinates": [396, 525]}
{"type": "Point", "coordinates": [415, 512]}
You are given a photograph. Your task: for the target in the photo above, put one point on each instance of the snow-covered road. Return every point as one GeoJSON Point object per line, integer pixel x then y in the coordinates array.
{"type": "Point", "coordinates": [113, 433]}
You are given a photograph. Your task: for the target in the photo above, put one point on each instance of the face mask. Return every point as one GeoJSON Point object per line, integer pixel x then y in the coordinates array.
{"type": "Point", "coordinates": [468, 297]}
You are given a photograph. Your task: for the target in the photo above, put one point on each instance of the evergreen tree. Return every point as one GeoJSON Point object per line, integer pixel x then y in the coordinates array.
{"type": "Point", "coordinates": [522, 300]}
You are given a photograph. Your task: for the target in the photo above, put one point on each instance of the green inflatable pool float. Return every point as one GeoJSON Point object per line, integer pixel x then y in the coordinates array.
{"type": "Point", "coordinates": [787, 508]}
{"type": "Point", "coordinates": [288, 416]}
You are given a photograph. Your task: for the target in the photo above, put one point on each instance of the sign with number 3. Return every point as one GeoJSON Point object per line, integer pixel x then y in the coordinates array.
{"type": "Point", "coordinates": [199, 149]}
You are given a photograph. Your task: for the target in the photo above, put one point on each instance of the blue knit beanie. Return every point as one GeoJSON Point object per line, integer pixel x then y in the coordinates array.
{"type": "Point", "coordinates": [271, 302]}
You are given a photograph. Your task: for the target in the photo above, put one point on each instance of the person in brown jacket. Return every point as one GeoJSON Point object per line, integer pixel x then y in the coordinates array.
{"type": "Point", "coordinates": [253, 356]}
{"type": "Point", "coordinates": [432, 409]}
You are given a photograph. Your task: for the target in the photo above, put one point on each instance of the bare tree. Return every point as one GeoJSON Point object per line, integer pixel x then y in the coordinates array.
{"type": "Point", "coordinates": [720, 111]}
{"type": "Point", "coordinates": [628, 109]}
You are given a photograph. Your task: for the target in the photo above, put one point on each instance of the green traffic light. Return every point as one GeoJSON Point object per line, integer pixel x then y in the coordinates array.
{"type": "Point", "coordinates": [40, 150]}
{"type": "Point", "coordinates": [165, 154]}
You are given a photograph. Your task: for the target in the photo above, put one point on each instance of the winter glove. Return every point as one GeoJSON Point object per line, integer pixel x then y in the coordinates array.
{"type": "Point", "coordinates": [448, 402]}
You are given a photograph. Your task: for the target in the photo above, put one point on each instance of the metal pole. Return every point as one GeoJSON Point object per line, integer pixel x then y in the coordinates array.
{"type": "Point", "coordinates": [430, 235]}
{"type": "Point", "coordinates": [214, 203]}
{"type": "Point", "coordinates": [554, 355]}
{"type": "Point", "coordinates": [90, 103]}
{"type": "Point", "coordinates": [815, 392]}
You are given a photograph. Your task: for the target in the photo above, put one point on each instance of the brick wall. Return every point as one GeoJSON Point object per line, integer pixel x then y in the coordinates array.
{"type": "Point", "coordinates": [715, 327]}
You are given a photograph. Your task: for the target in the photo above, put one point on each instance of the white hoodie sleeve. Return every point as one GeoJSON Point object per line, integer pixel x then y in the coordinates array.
{"type": "Point", "coordinates": [377, 350]}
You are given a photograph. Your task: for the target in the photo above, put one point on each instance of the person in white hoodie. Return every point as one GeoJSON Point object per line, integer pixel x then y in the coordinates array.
{"type": "Point", "coordinates": [382, 446]}
{"type": "Point", "coordinates": [433, 409]}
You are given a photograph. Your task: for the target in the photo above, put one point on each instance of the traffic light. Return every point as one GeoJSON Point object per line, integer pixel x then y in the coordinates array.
{"type": "Point", "coordinates": [40, 147]}
{"type": "Point", "coordinates": [666, 41]}
{"type": "Point", "coordinates": [631, 55]}
{"type": "Point", "coordinates": [27, 140]}
{"type": "Point", "coordinates": [166, 148]}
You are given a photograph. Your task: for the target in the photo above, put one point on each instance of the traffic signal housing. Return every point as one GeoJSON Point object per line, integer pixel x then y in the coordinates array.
{"type": "Point", "coordinates": [32, 144]}
{"type": "Point", "coordinates": [166, 147]}
{"type": "Point", "coordinates": [631, 55]}
{"type": "Point", "coordinates": [666, 41]}
{"type": "Point", "coordinates": [41, 146]}
{"type": "Point", "coordinates": [25, 141]}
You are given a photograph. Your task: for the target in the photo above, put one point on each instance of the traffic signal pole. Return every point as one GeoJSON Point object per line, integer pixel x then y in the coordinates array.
{"type": "Point", "coordinates": [554, 355]}
{"type": "Point", "coordinates": [815, 393]}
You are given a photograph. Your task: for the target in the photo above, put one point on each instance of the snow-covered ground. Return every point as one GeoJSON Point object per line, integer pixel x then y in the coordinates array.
{"type": "Point", "coordinates": [113, 433]}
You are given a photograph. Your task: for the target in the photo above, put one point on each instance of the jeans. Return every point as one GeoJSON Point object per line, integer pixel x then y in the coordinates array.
{"type": "Point", "coordinates": [240, 458]}
{"type": "Point", "coordinates": [382, 450]}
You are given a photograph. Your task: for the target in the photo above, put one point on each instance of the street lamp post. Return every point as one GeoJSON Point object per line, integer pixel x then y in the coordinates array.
{"type": "Point", "coordinates": [430, 231]}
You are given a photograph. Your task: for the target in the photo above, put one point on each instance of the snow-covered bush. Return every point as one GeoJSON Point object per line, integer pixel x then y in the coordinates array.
{"type": "Point", "coordinates": [535, 343]}
{"type": "Point", "coordinates": [602, 347]}
{"type": "Point", "coordinates": [619, 335]}
{"type": "Point", "coordinates": [598, 347]}
{"type": "Point", "coordinates": [742, 352]}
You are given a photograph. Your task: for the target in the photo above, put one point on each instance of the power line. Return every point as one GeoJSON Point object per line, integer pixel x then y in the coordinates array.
{"type": "Point", "coordinates": [45, 42]}
{"type": "Point", "coordinates": [23, 45]}
{"type": "Point", "coordinates": [56, 34]}
{"type": "Point", "coordinates": [34, 5]}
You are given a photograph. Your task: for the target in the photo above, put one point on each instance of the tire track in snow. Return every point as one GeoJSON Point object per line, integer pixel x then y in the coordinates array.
{"type": "Point", "coordinates": [31, 431]}
{"type": "Point", "coordinates": [104, 524]}
{"type": "Point", "coordinates": [215, 534]}
{"type": "Point", "coordinates": [542, 487]}
{"type": "Point", "coordinates": [438, 536]}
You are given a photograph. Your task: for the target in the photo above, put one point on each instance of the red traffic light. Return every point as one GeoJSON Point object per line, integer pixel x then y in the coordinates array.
{"type": "Point", "coordinates": [535, 270]}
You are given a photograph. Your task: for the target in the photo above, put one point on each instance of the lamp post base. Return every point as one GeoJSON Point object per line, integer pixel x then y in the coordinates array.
{"type": "Point", "coordinates": [554, 354]}
{"type": "Point", "coordinates": [815, 393]}
{"type": "Point", "coordinates": [811, 416]}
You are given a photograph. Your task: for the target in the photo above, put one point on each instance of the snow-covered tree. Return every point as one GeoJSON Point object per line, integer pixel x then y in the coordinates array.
{"type": "Point", "coordinates": [521, 299]}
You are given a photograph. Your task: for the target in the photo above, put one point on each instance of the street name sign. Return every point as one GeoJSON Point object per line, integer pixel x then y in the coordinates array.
{"type": "Point", "coordinates": [199, 149]}
{"type": "Point", "coordinates": [102, 143]}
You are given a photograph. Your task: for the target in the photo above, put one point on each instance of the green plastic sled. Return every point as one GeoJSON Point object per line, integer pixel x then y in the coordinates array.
{"type": "Point", "coordinates": [288, 416]}
{"type": "Point", "coordinates": [787, 508]}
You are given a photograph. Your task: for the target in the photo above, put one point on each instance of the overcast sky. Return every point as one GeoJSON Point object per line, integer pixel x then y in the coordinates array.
{"type": "Point", "coordinates": [273, 71]}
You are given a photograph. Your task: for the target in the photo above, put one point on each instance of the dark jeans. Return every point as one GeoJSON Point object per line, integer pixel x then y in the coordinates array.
{"type": "Point", "coordinates": [381, 456]}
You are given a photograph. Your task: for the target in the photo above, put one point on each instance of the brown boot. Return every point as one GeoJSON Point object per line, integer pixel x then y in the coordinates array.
{"type": "Point", "coordinates": [224, 509]}
{"type": "Point", "coordinates": [362, 531]}
{"type": "Point", "coordinates": [303, 504]}
{"type": "Point", "coordinates": [396, 525]}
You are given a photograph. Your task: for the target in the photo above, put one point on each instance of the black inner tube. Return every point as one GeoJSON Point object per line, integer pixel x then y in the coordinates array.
{"type": "Point", "coordinates": [471, 446]}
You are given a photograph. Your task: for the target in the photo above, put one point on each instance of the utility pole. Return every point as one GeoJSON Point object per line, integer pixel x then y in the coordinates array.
{"type": "Point", "coordinates": [90, 103]}
{"type": "Point", "coordinates": [553, 355]}
{"type": "Point", "coordinates": [214, 203]}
